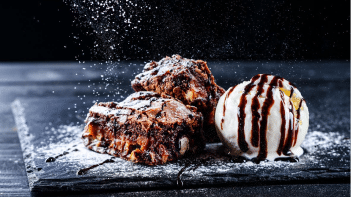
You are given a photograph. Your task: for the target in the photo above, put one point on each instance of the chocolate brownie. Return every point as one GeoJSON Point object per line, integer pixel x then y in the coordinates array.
{"type": "Point", "coordinates": [187, 80]}
{"type": "Point", "coordinates": [146, 128]}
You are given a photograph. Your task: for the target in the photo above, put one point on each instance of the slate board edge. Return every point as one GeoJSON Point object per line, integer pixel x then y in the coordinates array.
{"type": "Point", "coordinates": [115, 184]}
{"type": "Point", "coordinates": [24, 137]}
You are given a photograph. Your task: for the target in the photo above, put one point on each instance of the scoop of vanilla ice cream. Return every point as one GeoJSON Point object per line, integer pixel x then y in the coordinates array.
{"type": "Point", "coordinates": [264, 118]}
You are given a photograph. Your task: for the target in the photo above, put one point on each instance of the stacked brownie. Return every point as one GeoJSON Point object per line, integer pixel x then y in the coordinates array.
{"type": "Point", "coordinates": [166, 119]}
{"type": "Point", "coordinates": [188, 80]}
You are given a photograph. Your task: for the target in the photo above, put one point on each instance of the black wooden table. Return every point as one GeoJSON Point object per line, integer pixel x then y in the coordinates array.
{"type": "Point", "coordinates": [324, 84]}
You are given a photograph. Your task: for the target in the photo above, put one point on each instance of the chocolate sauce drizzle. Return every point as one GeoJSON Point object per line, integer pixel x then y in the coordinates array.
{"type": "Point", "coordinates": [267, 105]}
{"type": "Point", "coordinates": [291, 91]}
{"type": "Point", "coordinates": [81, 171]}
{"type": "Point", "coordinates": [196, 163]}
{"type": "Point", "coordinates": [297, 127]}
{"type": "Point", "coordinates": [85, 170]}
{"type": "Point", "coordinates": [181, 171]}
{"type": "Point", "coordinates": [255, 115]}
{"type": "Point", "coordinates": [225, 99]}
{"type": "Point", "coordinates": [52, 159]}
{"type": "Point", "coordinates": [259, 127]}
{"type": "Point", "coordinates": [290, 137]}
{"type": "Point", "coordinates": [282, 128]}
{"type": "Point", "coordinates": [241, 115]}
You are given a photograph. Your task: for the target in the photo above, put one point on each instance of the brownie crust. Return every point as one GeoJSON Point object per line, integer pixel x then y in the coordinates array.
{"type": "Point", "coordinates": [188, 80]}
{"type": "Point", "coordinates": [146, 128]}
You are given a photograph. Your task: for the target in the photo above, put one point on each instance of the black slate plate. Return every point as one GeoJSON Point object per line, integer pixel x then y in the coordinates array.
{"type": "Point", "coordinates": [47, 128]}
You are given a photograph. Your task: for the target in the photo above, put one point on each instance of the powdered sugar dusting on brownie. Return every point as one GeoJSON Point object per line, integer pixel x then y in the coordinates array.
{"type": "Point", "coordinates": [188, 80]}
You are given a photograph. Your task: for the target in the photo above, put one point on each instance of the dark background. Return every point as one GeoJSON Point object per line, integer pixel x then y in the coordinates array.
{"type": "Point", "coordinates": [241, 29]}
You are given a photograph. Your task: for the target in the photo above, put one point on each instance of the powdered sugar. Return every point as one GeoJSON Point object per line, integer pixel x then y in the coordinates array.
{"type": "Point", "coordinates": [68, 138]}
{"type": "Point", "coordinates": [320, 140]}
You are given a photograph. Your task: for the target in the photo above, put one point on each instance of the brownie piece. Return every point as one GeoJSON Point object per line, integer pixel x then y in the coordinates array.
{"type": "Point", "coordinates": [146, 128]}
{"type": "Point", "coordinates": [187, 80]}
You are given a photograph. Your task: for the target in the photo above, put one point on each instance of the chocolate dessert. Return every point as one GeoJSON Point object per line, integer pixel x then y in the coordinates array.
{"type": "Point", "coordinates": [187, 80]}
{"type": "Point", "coordinates": [146, 128]}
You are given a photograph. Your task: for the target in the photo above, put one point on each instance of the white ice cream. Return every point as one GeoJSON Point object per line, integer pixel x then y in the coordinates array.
{"type": "Point", "coordinates": [286, 121]}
